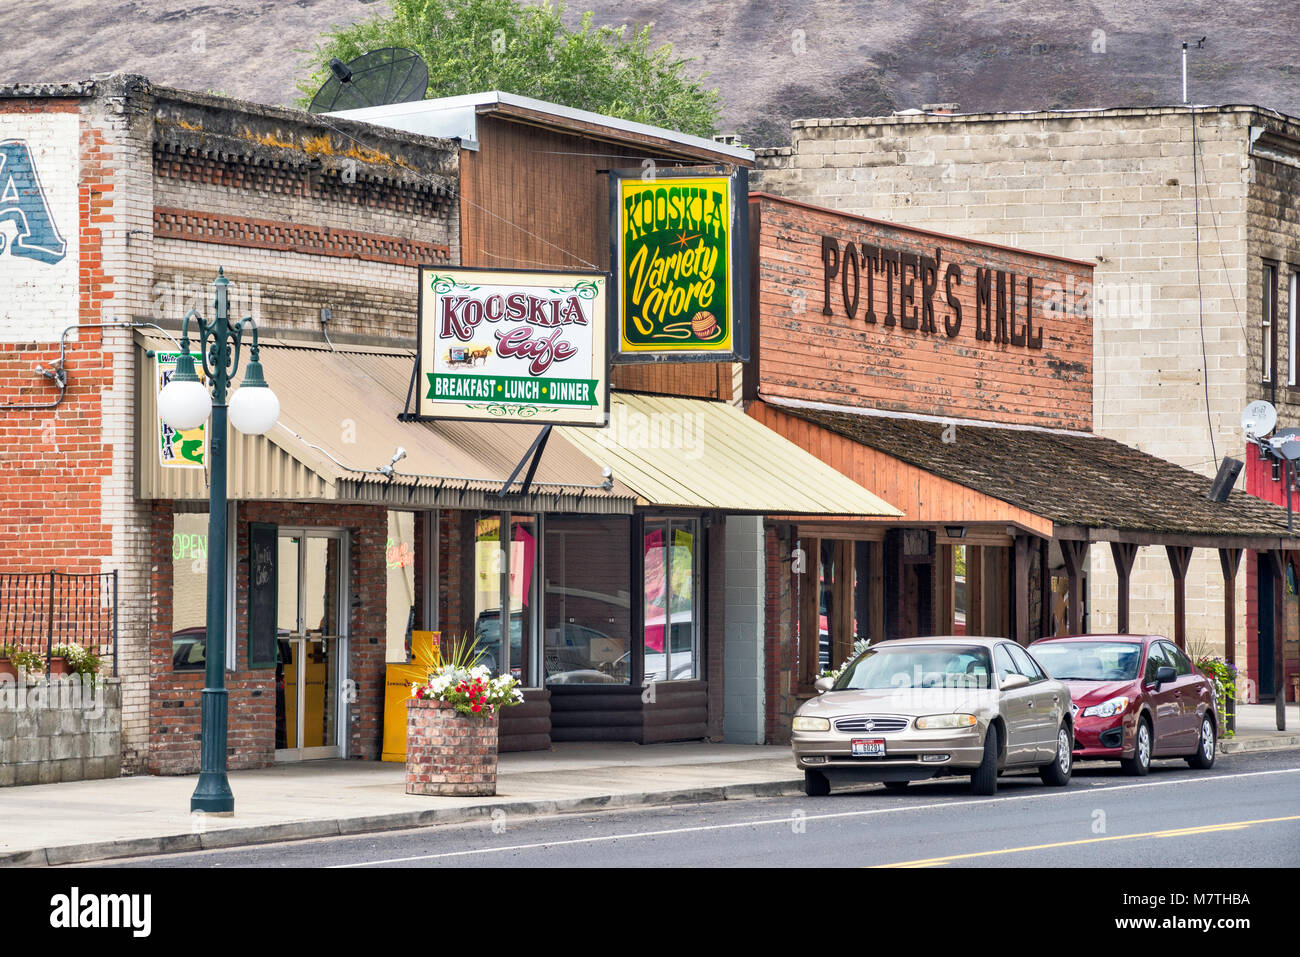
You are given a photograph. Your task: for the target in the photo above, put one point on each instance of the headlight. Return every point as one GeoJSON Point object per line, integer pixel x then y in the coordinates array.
{"type": "Point", "coordinates": [811, 724]}
{"type": "Point", "coordinates": [932, 721]}
{"type": "Point", "coordinates": [1107, 709]}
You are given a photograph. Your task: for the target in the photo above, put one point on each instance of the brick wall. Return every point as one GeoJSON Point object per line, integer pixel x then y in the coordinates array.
{"type": "Point", "coordinates": [174, 701]}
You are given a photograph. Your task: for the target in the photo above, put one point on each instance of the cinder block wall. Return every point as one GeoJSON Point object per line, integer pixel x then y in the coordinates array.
{"type": "Point", "coordinates": [59, 730]}
{"type": "Point", "coordinates": [743, 652]}
{"type": "Point", "coordinates": [1112, 187]}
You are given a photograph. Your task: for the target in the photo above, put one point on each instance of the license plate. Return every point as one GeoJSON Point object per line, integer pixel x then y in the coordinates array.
{"type": "Point", "coordinates": [868, 747]}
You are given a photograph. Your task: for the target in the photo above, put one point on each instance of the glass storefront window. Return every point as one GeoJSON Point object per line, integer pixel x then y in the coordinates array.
{"type": "Point", "coordinates": [189, 591]}
{"type": "Point", "coordinates": [587, 610]}
{"type": "Point", "coordinates": [505, 579]}
{"type": "Point", "coordinates": [670, 645]}
{"type": "Point", "coordinates": [399, 559]}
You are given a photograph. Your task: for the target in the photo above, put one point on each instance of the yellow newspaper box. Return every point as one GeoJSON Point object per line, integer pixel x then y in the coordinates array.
{"type": "Point", "coordinates": [426, 656]}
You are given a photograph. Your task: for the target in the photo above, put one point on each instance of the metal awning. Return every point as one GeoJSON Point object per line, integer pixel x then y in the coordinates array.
{"type": "Point", "coordinates": [338, 426]}
{"type": "Point", "coordinates": [693, 453]}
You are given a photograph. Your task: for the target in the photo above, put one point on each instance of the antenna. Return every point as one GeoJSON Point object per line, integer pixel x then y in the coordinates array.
{"type": "Point", "coordinates": [1199, 45]}
{"type": "Point", "coordinates": [389, 75]}
{"type": "Point", "coordinates": [1258, 420]}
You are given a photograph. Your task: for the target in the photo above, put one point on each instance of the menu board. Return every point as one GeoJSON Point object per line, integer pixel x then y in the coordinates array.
{"type": "Point", "coordinates": [262, 581]}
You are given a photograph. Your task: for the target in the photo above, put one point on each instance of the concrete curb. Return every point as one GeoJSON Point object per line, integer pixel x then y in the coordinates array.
{"type": "Point", "coordinates": [1276, 742]}
{"type": "Point", "coordinates": [341, 827]}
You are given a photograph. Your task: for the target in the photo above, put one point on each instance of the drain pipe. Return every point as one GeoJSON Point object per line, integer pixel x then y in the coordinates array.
{"type": "Point", "coordinates": [59, 375]}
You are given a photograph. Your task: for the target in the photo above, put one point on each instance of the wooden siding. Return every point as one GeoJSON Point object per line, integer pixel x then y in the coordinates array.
{"type": "Point", "coordinates": [535, 198]}
{"type": "Point", "coordinates": [805, 354]}
{"type": "Point", "coordinates": [922, 497]}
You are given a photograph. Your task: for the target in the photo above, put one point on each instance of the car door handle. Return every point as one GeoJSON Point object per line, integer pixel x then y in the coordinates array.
{"type": "Point", "coordinates": [1031, 703]}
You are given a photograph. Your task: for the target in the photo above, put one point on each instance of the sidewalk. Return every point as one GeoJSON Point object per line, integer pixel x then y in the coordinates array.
{"type": "Point", "coordinates": [87, 821]}
{"type": "Point", "coordinates": [81, 821]}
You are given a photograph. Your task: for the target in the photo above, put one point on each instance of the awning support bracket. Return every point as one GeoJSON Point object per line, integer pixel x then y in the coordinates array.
{"type": "Point", "coordinates": [406, 415]}
{"type": "Point", "coordinates": [531, 458]}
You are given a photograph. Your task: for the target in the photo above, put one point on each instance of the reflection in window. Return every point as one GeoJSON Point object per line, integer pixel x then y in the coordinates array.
{"type": "Point", "coordinates": [189, 591]}
{"type": "Point", "coordinates": [670, 646]}
{"type": "Point", "coordinates": [505, 576]}
{"type": "Point", "coordinates": [587, 622]}
{"type": "Point", "coordinates": [399, 558]}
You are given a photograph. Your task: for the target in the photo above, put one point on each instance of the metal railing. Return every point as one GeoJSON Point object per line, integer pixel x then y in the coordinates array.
{"type": "Point", "coordinates": [42, 610]}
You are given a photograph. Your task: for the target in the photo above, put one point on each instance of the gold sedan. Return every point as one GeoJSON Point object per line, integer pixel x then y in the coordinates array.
{"type": "Point", "coordinates": [918, 708]}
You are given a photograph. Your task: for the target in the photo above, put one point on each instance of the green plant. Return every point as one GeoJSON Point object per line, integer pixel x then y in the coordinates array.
{"type": "Point", "coordinates": [81, 661]}
{"type": "Point", "coordinates": [466, 685]}
{"type": "Point", "coordinates": [473, 46]}
{"type": "Point", "coordinates": [28, 661]}
{"type": "Point", "coordinates": [1224, 676]}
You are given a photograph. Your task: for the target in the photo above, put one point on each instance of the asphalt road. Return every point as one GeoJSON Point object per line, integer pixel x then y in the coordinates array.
{"type": "Point", "coordinates": [1103, 819]}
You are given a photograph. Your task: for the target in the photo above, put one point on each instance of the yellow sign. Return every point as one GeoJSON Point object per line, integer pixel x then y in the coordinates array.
{"type": "Point", "coordinates": [674, 250]}
{"type": "Point", "coordinates": [426, 654]}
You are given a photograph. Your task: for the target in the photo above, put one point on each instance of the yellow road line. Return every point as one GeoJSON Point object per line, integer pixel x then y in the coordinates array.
{"type": "Point", "coordinates": [1173, 832]}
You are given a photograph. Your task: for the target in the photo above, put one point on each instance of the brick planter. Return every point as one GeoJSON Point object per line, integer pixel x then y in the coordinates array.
{"type": "Point", "coordinates": [449, 753]}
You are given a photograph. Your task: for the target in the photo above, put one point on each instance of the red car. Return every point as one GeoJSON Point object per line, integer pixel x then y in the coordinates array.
{"type": "Point", "coordinates": [1136, 697]}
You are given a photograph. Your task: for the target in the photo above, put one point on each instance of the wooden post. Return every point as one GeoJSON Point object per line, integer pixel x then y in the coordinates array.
{"type": "Point", "coordinates": [1230, 561]}
{"type": "Point", "coordinates": [1045, 585]}
{"type": "Point", "coordinates": [876, 582]}
{"type": "Point", "coordinates": [842, 589]}
{"type": "Point", "coordinates": [974, 590]}
{"type": "Point", "coordinates": [810, 611]}
{"type": "Point", "coordinates": [1279, 637]}
{"type": "Point", "coordinates": [1075, 553]}
{"type": "Point", "coordinates": [944, 590]}
{"type": "Point", "coordinates": [1021, 575]}
{"type": "Point", "coordinates": [1179, 557]}
{"type": "Point", "coordinates": [1124, 553]}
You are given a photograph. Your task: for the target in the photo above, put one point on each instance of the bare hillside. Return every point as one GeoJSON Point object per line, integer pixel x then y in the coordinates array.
{"type": "Point", "coordinates": [773, 59]}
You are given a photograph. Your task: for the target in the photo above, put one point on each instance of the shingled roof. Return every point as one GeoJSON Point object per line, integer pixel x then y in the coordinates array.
{"type": "Point", "coordinates": [1078, 480]}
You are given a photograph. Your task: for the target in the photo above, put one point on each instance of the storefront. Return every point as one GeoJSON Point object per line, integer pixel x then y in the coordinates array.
{"type": "Point", "coordinates": [954, 378]}
{"type": "Point", "coordinates": [600, 584]}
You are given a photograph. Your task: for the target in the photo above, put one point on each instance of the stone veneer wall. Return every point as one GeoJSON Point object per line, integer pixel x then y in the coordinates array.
{"type": "Point", "coordinates": [59, 730]}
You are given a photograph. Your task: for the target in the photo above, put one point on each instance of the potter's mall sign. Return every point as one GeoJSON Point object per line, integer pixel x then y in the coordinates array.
{"type": "Point", "coordinates": [907, 291]}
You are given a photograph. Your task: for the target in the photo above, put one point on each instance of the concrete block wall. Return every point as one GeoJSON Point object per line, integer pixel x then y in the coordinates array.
{"type": "Point", "coordinates": [744, 648]}
{"type": "Point", "coordinates": [1114, 187]}
{"type": "Point", "coordinates": [59, 730]}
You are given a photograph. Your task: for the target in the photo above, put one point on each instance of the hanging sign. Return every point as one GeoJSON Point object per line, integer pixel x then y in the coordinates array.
{"type": "Point", "coordinates": [177, 449]}
{"type": "Point", "coordinates": [516, 345]}
{"type": "Point", "coordinates": [680, 252]}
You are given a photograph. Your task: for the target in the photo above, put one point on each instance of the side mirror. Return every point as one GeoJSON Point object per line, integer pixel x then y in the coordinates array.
{"type": "Point", "coordinates": [1165, 673]}
{"type": "Point", "coordinates": [824, 685]}
{"type": "Point", "coordinates": [1011, 682]}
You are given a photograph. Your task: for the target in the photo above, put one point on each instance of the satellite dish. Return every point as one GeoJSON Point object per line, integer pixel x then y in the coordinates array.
{"type": "Point", "coordinates": [390, 75]}
{"type": "Point", "coordinates": [1287, 443]}
{"type": "Point", "coordinates": [1259, 419]}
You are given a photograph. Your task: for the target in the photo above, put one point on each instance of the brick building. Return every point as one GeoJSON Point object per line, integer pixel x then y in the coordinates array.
{"type": "Point", "coordinates": [1187, 214]}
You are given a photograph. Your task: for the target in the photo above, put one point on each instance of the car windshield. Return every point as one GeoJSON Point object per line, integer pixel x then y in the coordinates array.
{"type": "Point", "coordinates": [1090, 660]}
{"type": "Point", "coordinates": [931, 666]}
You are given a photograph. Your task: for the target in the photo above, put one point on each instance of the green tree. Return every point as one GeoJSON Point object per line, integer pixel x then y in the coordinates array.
{"type": "Point", "coordinates": [473, 46]}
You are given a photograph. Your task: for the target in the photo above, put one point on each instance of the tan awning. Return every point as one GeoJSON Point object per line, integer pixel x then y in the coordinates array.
{"type": "Point", "coordinates": [693, 453]}
{"type": "Point", "coordinates": [338, 426]}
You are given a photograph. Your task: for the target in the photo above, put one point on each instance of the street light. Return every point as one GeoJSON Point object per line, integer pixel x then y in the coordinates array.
{"type": "Point", "coordinates": [185, 403]}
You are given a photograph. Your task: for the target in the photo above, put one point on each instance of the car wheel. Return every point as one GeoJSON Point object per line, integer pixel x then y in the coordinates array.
{"type": "Point", "coordinates": [1057, 773]}
{"type": "Point", "coordinates": [895, 785]}
{"type": "Point", "coordinates": [816, 784]}
{"type": "Point", "coordinates": [985, 778]}
{"type": "Point", "coordinates": [1206, 747]}
{"type": "Point", "coordinates": [1140, 763]}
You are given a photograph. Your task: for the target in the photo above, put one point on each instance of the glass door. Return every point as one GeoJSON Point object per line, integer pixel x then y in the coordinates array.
{"type": "Point", "coordinates": [312, 616]}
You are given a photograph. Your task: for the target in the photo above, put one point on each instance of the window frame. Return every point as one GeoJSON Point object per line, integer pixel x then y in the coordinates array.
{"type": "Point", "coordinates": [696, 528]}
{"type": "Point", "coordinates": [1268, 324]}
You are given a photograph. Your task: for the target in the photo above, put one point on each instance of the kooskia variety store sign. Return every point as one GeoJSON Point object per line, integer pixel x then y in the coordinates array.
{"type": "Point", "coordinates": [679, 289]}
{"type": "Point", "coordinates": [513, 346]}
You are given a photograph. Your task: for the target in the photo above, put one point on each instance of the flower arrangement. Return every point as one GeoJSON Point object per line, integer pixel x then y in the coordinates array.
{"type": "Point", "coordinates": [468, 686]}
{"type": "Point", "coordinates": [28, 661]}
{"type": "Point", "coordinates": [1224, 676]}
{"type": "Point", "coordinates": [81, 661]}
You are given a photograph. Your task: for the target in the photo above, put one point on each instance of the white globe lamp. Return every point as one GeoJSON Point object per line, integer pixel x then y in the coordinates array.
{"type": "Point", "coordinates": [184, 403]}
{"type": "Point", "coordinates": [254, 408]}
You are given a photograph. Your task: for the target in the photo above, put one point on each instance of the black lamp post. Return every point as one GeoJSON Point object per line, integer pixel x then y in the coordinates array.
{"type": "Point", "coordinates": [185, 403]}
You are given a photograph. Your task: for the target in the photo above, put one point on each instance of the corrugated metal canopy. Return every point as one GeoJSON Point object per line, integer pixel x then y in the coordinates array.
{"type": "Point", "coordinates": [338, 425]}
{"type": "Point", "coordinates": [697, 454]}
